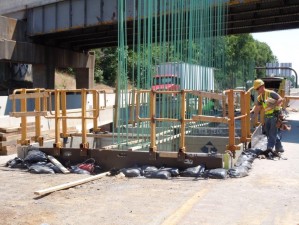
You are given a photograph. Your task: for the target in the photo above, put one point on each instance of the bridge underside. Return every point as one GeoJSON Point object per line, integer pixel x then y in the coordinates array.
{"type": "Point", "coordinates": [250, 17]}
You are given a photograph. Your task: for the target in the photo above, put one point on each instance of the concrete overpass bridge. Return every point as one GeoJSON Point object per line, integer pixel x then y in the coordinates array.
{"type": "Point", "coordinates": [59, 33]}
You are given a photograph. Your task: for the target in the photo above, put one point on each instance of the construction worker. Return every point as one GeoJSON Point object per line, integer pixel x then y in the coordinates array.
{"type": "Point", "coordinates": [271, 102]}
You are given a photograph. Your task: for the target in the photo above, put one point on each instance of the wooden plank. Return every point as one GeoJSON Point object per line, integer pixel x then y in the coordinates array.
{"type": "Point", "coordinates": [7, 143]}
{"type": "Point", "coordinates": [9, 147]}
{"type": "Point", "coordinates": [8, 134]}
{"type": "Point", "coordinates": [8, 150]}
{"type": "Point", "coordinates": [6, 137]}
{"type": "Point", "coordinates": [58, 164]}
{"type": "Point", "coordinates": [71, 184]}
{"type": "Point", "coordinates": [8, 129]}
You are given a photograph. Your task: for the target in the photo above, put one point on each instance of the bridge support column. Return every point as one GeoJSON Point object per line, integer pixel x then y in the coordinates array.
{"type": "Point", "coordinates": [43, 76]}
{"type": "Point", "coordinates": [85, 76]}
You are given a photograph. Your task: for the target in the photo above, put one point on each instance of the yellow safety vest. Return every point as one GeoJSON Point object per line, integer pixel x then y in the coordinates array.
{"type": "Point", "coordinates": [263, 100]}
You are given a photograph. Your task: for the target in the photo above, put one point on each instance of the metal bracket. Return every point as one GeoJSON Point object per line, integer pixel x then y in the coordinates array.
{"type": "Point", "coordinates": [84, 147]}
{"type": "Point", "coordinates": [181, 154]}
{"type": "Point", "coordinates": [153, 153]}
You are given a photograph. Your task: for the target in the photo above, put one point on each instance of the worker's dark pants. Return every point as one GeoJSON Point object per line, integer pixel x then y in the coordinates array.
{"type": "Point", "coordinates": [273, 133]}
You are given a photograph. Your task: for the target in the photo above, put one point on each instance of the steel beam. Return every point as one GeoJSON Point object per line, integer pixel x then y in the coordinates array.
{"type": "Point", "coordinates": [116, 159]}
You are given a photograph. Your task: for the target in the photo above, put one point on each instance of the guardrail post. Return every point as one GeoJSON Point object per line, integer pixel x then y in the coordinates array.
{"type": "Point", "coordinates": [38, 138]}
{"type": "Point", "coordinates": [243, 102]}
{"type": "Point", "coordinates": [57, 145]}
{"type": "Point", "coordinates": [24, 140]}
{"type": "Point", "coordinates": [231, 122]}
{"type": "Point", "coordinates": [153, 147]}
{"type": "Point", "coordinates": [182, 149]}
{"type": "Point", "coordinates": [64, 134]}
{"type": "Point", "coordinates": [84, 145]}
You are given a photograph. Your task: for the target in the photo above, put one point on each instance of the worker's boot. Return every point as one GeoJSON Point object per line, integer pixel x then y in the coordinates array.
{"type": "Point", "coordinates": [269, 153]}
{"type": "Point", "coordinates": [280, 150]}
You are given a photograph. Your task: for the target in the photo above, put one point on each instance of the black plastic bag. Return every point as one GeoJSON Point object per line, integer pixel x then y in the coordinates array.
{"type": "Point", "coordinates": [250, 157]}
{"type": "Point", "coordinates": [254, 152]}
{"type": "Point", "coordinates": [48, 164]}
{"type": "Point", "coordinates": [196, 171]}
{"type": "Point", "coordinates": [131, 172]}
{"type": "Point", "coordinates": [218, 173]}
{"type": "Point", "coordinates": [35, 156]}
{"type": "Point", "coordinates": [173, 171]}
{"type": "Point", "coordinates": [246, 164]}
{"type": "Point", "coordinates": [146, 170]}
{"type": "Point", "coordinates": [16, 163]}
{"type": "Point", "coordinates": [160, 174]}
{"type": "Point", "coordinates": [36, 168]}
{"type": "Point", "coordinates": [237, 172]}
{"type": "Point", "coordinates": [53, 167]}
{"type": "Point", "coordinates": [243, 158]}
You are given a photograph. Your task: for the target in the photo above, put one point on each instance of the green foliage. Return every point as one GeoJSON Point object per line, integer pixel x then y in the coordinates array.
{"type": "Point", "coordinates": [242, 54]}
{"type": "Point", "coordinates": [68, 70]}
{"type": "Point", "coordinates": [106, 66]}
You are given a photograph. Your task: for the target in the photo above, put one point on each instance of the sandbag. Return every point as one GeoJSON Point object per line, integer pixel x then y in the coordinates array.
{"type": "Point", "coordinates": [218, 173]}
{"type": "Point", "coordinates": [173, 171]}
{"type": "Point", "coordinates": [146, 170]}
{"type": "Point", "coordinates": [243, 158]}
{"type": "Point", "coordinates": [48, 164]}
{"type": "Point", "coordinates": [35, 156]}
{"type": "Point", "coordinates": [53, 167]}
{"type": "Point", "coordinates": [254, 152]}
{"type": "Point", "coordinates": [160, 174]}
{"type": "Point", "coordinates": [131, 172]}
{"type": "Point", "coordinates": [246, 164]}
{"type": "Point", "coordinates": [196, 171]}
{"type": "Point", "coordinates": [35, 168]}
{"type": "Point", "coordinates": [237, 172]}
{"type": "Point", "coordinates": [16, 163]}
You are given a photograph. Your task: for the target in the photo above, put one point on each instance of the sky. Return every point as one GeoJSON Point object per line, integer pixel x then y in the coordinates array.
{"type": "Point", "coordinates": [284, 45]}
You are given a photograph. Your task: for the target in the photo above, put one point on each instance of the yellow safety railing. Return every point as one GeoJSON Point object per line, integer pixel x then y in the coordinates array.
{"type": "Point", "coordinates": [43, 107]}
{"type": "Point", "coordinates": [40, 97]}
{"type": "Point", "coordinates": [61, 115]}
{"type": "Point", "coordinates": [227, 98]}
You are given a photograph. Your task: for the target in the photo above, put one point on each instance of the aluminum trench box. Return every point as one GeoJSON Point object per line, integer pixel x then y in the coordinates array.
{"type": "Point", "coordinates": [117, 159]}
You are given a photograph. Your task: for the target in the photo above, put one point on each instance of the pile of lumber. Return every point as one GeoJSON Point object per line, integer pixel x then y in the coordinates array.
{"type": "Point", "coordinates": [10, 135]}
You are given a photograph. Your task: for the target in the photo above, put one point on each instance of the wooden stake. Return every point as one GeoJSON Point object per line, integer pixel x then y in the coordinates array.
{"type": "Point", "coordinates": [71, 184]}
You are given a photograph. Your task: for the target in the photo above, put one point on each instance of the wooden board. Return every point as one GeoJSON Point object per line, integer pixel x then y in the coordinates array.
{"type": "Point", "coordinates": [9, 129]}
{"type": "Point", "coordinates": [7, 143]}
{"type": "Point", "coordinates": [58, 164]}
{"type": "Point", "coordinates": [8, 150]}
{"type": "Point", "coordinates": [71, 184]}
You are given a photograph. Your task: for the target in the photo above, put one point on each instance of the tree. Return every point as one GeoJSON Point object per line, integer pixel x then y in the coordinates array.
{"type": "Point", "coordinates": [239, 54]}
{"type": "Point", "coordinates": [106, 65]}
